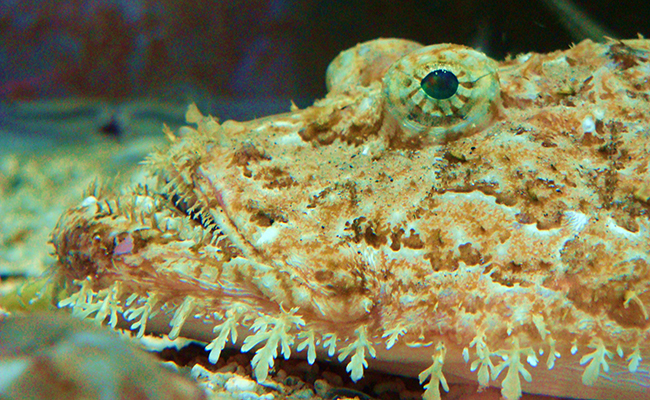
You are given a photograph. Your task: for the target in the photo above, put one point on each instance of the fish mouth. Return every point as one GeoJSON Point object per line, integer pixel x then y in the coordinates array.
{"type": "Point", "coordinates": [109, 237]}
{"type": "Point", "coordinates": [170, 235]}
{"type": "Point", "coordinates": [191, 207]}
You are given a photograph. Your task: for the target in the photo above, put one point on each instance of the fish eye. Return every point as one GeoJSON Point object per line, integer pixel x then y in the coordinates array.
{"type": "Point", "coordinates": [444, 91]}
{"type": "Point", "coordinates": [440, 84]}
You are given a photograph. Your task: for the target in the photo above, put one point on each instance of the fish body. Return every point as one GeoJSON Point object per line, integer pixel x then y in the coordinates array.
{"type": "Point", "coordinates": [438, 214]}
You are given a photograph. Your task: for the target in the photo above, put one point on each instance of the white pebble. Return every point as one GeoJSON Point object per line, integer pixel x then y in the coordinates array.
{"type": "Point", "coordinates": [239, 384]}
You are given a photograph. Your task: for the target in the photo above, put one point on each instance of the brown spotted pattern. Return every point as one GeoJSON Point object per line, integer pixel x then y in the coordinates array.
{"type": "Point", "coordinates": [525, 232]}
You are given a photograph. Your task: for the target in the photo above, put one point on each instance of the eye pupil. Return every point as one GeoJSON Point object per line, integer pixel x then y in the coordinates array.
{"type": "Point", "coordinates": [440, 84]}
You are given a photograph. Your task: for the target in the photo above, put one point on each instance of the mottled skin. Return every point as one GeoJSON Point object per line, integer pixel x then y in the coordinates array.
{"type": "Point", "coordinates": [480, 243]}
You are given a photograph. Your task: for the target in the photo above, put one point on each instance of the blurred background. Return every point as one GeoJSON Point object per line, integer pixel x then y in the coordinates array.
{"type": "Point", "coordinates": [124, 62]}
{"type": "Point", "coordinates": [85, 85]}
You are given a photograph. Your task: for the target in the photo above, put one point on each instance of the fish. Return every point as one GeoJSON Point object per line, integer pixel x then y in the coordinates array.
{"type": "Point", "coordinates": [439, 214]}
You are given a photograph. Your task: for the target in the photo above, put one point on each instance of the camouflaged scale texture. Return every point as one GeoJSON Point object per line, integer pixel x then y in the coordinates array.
{"type": "Point", "coordinates": [500, 235]}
